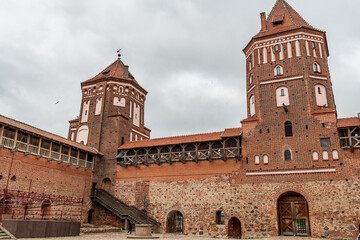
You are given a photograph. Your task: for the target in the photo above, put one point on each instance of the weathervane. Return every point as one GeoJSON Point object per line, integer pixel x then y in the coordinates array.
{"type": "Point", "coordinates": [118, 53]}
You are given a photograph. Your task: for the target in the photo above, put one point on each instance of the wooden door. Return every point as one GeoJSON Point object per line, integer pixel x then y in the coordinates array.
{"type": "Point", "coordinates": [293, 216]}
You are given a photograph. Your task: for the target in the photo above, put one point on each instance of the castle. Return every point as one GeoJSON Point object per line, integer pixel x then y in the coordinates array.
{"type": "Point", "coordinates": [293, 168]}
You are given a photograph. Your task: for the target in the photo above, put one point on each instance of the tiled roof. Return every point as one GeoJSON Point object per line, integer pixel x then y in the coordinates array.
{"type": "Point", "coordinates": [291, 19]}
{"type": "Point", "coordinates": [348, 122]}
{"type": "Point", "coordinates": [115, 70]}
{"type": "Point", "coordinates": [25, 127]}
{"type": "Point", "coordinates": [202, 137]}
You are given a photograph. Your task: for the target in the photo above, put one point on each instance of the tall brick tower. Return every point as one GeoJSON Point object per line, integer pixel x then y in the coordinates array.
{"type": "Point", "coordinates": [111, 113]}
{"type": "Point", "coordinates": [291, 123]}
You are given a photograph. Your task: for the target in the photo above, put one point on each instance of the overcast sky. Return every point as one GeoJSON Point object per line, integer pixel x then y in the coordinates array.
{"type": "Point", "coordinates": [186, 53]}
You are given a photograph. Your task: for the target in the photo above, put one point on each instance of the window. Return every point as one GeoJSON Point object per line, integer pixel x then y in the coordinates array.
{"type": "Point", "coordinates": [319, 90]}
{"type": "Point", "coordinates": [335, 155]}
{"type": "Point", "coordinates": [89, 92]}
{"type": "Point", "coordinates": [315, 156]}
{"type": "Point", "coordinates": [288, 129]}
{"type": "Point", "coordinates": [287, 155]}
{"type": "Point", "coordinates": [277, 49]}
{"type": "Point", "coordinates": [325, 155]}
{"type": "Point", "coordinates": [282, 92]}
{"type": "Point", "coordinates": [316, 67]}
{"type": "Point", "coordinates": [313, 44]}
{"type": "Point", "coordinates": [257, 160]}
{"type": "Point", "coordinates": [278, 70]}
{"type": "Point", "coordinates": [120, 89]}
{"type": "Point", "coordinates": [325, 142]}
{"type": "Point", "coordinates": [220, 218]}
{"type": "Point", "coordinates": [266, 159]}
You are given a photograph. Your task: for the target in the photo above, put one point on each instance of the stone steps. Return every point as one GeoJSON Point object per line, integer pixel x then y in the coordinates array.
{"type": "Point", "coordinates": [4, 234]}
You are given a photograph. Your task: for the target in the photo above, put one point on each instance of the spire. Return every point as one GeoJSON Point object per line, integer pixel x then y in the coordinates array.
{"type": "Point", "coordinates": [282, 18]}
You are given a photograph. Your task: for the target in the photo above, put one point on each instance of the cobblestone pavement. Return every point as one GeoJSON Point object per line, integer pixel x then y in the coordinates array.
{"type": "Point", "coordinates": [121, 235]}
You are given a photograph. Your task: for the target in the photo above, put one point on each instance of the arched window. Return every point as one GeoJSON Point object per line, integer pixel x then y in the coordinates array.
{"type": "Point", "coordinates": [251, 79]}
{"type": "Point", "coordinates": [220, 218]}
{"type": "Point", "coordinates": [282, 97]}
{"type": "Point", "coordinates": [320, 94]}
{"type": "Point", "coordinates": [278, 70]}
{"type": "Point", "coordinates": [288, 129]}
{"type": "Point", "coordinates": [325, 155]}
{"type": "Point", "coordinates": [287, 155]}
{"type": "Point", "coordinates": [257, 160]}
{"type": "Point", "coordinates": [266, 159]}
{"type": "Point", "coordinates": [335, 155]}
{"type": "Point", "coordinates": [316, 67]}
{"type": "Point", "coordinates": [252, 105]}
{"type": "Point", "coordinates": [315, 156]}
{"type": "Point", "coordinates": [120, 89]}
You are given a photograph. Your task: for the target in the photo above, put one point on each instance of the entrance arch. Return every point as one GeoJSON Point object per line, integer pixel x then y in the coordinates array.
{"type": "Point", "coordinates": [174, 222]}
{"type": "Point", "coordinates": [234, 228]}
{"type": "Point", "coordinates": [106, 182]}
{"type": "Point", "coordinates": [293, 215]}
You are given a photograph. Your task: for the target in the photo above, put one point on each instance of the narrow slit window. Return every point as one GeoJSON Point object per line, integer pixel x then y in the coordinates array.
{"type": "Point", "coordinates": [282, 92]}
{"type": "Point", "coordinates": [288, 129]}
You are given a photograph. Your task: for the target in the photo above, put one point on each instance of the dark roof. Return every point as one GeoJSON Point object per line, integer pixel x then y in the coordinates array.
{"type": "Point", "coordinates": [25, 127]}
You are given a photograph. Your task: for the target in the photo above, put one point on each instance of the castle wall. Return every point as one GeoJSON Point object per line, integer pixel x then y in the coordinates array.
{"type": "Point", "coordinates": [333, 204]}
{"type": "Point", "coordinates": [36, 176]}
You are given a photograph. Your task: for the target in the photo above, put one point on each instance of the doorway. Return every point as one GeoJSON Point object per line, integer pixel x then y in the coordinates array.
{"type": "Point", "coordinates": [174, 222]}
{"type": "Point", "coordinates": [293, 215]}
{"type": "Point", "coordinates": [234, 228]}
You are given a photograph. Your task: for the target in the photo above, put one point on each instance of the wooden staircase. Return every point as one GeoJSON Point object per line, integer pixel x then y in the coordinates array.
{"type": "Point", "coordinates": [5, 235]}
{"type": "Point", "coordinates": [122, 210]}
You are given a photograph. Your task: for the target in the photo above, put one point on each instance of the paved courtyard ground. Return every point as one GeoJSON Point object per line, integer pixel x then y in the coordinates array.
{"type": "Point", "coordinates": [121, 235]}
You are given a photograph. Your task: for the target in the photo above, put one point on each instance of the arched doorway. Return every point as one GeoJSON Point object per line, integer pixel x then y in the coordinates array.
{"type": "Point", "coordinates": [46, 209]}
{"type": "Point", "coordinates": [234, 228]}
{"type": "Point", "coordinates": [106, 184]}
{"type": "Point", "coordinates": [293, 215]}
{"type": "Point", "coordinates": [174, 222]}
{"type": "Point", "coordinates": [90, 215]}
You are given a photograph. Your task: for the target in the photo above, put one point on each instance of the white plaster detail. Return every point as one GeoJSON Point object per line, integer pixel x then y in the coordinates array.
{"type": "Point", "coordinates": [314, 52]}
{"type": "Point", "coordinates": [98, 106]}
{"type": "Point", "coordinates": [281, 52]}
{"type": "Point", "coordinates": [251, 88]}
{"type": "Point", "coordinates": [100, 88]}
{"type": "Point", "coordinates": [282, 96]}
{"type": "Point", "coordinates": [251, 79]}
{"type": "Point", "coordinates": [130, 108]}
{"type": "Point", "coordinates": [72, 129]}
{"type": "Point", "coordinates": [136, 118]}
{"type": "Point", "coordinates": [136, 137]}
{"type": "Point", "coordinates": [282, 80]}
{"type": "Point", "coordinates": [335, 155]}
{"type": "Point", "coordinates": [320, 94]}
{"type": "Point", "coordinates": [131, 136]}
{"type": "Point", "coordinates": [72, 136]}
{"type": "Point", "coordinates": [259, 60]}
{"type": "Point", "coordinates": [265, 55]}
{"type": "Point", "coordinates": [85, 111]}
{"type": "Point", "coordinates": [315, 156]}
{"type": "Point", "coordinates": [292, 172]}
{"type": "Point", "coordinates": [316, 67]}
{"type": "Point", "coordinates": [289, 50]}
{"type": "Point", "coordinates": [82, 134]}
{"type": "Point", "coordinates": [320, 50]}
{"type": "Point", "coordinates": [253, 59]}
{"type": "Point", "coordinates": [257, 160]}
{"type": "Point", "coordinates": [140, 133]}
{"type": "Point", "coordinates": [272, 50]}
{"type": "Point", "coordinates": [317, 77]}
{"type": "Point", "coordinates": [297, 48]}
{"type": "Point", "coordinates": [120, 103]}
{"type": "Point", "coordinates": [325, 155]}
{"type": "Point", "coordinates": [252, 105]}
{"type": "Point", "coordinates": [266, 159]}
{"type": "Point", "coordinates": [307, 48]}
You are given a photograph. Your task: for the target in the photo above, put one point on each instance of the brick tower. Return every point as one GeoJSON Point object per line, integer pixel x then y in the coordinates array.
{"type": "Point", "coordinates": [111, 113]}
{"type": "Point", "coordinates": [291, 123]}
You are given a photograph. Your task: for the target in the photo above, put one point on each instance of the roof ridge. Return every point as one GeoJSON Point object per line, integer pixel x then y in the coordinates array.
{"type": "Point", "coordinates": [286, 5]}
{"type": "Point", "coordinates": [188, 135]}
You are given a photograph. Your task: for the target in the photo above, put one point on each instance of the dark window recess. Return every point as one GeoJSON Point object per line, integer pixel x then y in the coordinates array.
{"type": "Point", "coordinates": [9, 132]}
{"type": "Point", "coordinates": [313, 44]}
{"type": "Point", "coordinates": [277, 49]}
{"type": "Point", "coordinates": [45, 144]}
{"type": "Point", "coordinates": [288, 129]}
{"type": "Point", "coordinates": [82, 155]}
{"type": "Point", "coordinates": [74, 153]}
{"type": "Point", "coordinates": [220, 218]}
{"type": "Point", "coordinates": [287, 155]}
{"type": "Point", "coordinates": [22, 137]}
{"type": "Point", "coordinates": [34, 140]}
{"type": "Point", "coordinates": [55, 147]}
{"type": "Point", "coordinates": [90, 158]}
{"type": "Point", "coordinates": [325, 142]}
{"type": "Point", "coordinates": [282, 92]}
{"type": "Point", "coordinates": [65, 150]}
{"type": "Point", "coordinates": [13, 178]}
{"type": "Point", "coordinates": [278, 71]}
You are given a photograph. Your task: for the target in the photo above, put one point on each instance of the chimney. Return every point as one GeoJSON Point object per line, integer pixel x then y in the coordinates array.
{"type": "Point", "coordinates": [263, 21]}
{"type": "Point", "coordinates": [126, 71]}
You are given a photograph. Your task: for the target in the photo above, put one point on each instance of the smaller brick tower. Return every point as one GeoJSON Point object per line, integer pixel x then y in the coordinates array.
{"type": "Point", "coordinates": [291, 124]}
{"type": "Point", "coordinates": [111, 113]}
